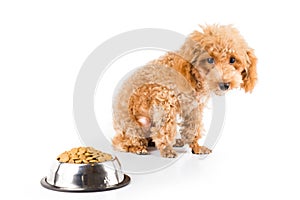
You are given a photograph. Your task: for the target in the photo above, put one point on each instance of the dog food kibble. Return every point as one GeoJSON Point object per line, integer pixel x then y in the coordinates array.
{"type": "Point", "coordinates": [83, 155]}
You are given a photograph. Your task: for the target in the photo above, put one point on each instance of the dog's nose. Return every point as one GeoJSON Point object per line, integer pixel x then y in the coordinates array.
{"type": "Point", "coordinates": [224, 86]}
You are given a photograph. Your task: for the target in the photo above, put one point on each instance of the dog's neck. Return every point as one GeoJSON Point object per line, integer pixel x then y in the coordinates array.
{"type": "Point", "coordinates": [181, 62]}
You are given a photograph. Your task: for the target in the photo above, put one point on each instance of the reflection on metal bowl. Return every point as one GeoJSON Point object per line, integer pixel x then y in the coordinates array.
{"type": "Point", "coordinates": [86, 177]}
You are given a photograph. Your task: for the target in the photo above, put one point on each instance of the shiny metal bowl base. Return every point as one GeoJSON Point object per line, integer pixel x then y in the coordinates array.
{"type": "Point", "coordinates": [94, 177]}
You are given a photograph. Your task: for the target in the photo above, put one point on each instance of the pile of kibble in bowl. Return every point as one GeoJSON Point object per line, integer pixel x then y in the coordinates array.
{"type": "Point", "coordinates": [84, 155]}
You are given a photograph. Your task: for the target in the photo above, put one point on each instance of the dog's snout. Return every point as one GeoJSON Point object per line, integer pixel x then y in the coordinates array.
{"type": "Point", "coordinates": [224, 86]}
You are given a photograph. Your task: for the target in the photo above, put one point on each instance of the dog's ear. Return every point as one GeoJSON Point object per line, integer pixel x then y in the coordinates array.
{"type": "Point", "coordinates": [249, 73]}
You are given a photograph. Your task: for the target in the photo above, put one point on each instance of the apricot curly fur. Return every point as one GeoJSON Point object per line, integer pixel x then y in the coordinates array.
{"type": "Point", "coordinates": [148, 103]}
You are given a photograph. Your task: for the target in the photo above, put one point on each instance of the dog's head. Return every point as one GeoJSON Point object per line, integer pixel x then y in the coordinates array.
{"type": "Point", "coordinates": [223, 57]}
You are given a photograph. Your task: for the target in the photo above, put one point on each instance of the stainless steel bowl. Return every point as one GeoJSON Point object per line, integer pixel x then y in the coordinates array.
{"type": "Point", "coordinates": [86, 177]}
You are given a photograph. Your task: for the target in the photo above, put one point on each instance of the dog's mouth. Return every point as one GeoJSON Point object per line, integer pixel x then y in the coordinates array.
{"type": "Point", "coordinates": [219, 92]}
{"type": "Point", "coordinates": [219, 89]}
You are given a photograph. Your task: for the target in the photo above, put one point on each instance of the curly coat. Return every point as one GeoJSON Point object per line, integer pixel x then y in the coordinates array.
{"type": "Point", "coordinates": [148, 103]}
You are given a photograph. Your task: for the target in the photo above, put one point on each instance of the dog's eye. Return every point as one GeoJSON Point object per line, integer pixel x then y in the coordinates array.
{"type": "Point", "coordinates": [232, 60]}
{"type": "Point", "coordinates": [210, 60]}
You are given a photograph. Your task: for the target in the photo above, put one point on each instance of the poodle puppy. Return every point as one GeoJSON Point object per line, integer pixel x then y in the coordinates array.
{"type": "Point", "coordinates": [168, 95]}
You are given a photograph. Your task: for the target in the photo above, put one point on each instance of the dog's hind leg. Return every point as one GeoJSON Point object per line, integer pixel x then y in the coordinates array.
{"type": "Point", "coordinates": [163, 130]}
{"type": "Point", "coordinates": [154, 109]}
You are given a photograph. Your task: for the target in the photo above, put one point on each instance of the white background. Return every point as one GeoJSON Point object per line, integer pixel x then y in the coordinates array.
{"type": "Point", "coordinates": [43, 45]}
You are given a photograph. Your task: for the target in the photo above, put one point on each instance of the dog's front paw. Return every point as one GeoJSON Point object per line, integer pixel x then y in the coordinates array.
{"type": "Point", "coordinates": [201, 150]}
{"type": "Point", "coordinates": [168, 152]}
